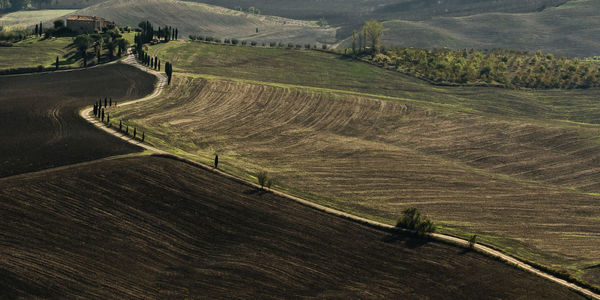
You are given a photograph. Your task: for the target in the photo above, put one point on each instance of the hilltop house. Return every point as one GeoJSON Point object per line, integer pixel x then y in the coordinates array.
{"type": "Point", "coordinates": [86, 24]}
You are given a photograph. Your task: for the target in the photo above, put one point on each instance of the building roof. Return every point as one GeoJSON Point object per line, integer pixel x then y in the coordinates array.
{"type": "Point", "coordinates": [84, 18]}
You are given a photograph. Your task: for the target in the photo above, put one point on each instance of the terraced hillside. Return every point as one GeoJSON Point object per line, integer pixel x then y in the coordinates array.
{"type": "Point", "coordinates": [197, 18]}
{"type": "Point", "coordinates": [39, 116]}
{"type": "Point", "coordinates": [150, 227]}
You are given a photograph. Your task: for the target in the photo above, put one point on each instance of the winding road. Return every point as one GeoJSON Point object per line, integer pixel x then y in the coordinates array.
{"type": "Point", "coordinates": [441, 237]}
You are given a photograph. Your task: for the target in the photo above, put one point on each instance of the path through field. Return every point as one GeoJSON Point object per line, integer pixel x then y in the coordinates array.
{"type": "Point", "coordinates": [249, 112]}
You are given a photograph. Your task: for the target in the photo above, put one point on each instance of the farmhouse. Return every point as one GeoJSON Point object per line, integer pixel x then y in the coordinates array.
{"type": "Point", "coordinates": [86, 24]}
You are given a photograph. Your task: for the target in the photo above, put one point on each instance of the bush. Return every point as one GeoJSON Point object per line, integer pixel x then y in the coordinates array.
{"type": "Point", "coordinates": [262, 178]}
{"type": "Point", "coordinates": [298, 46]}
{"type": "Point", "coordinates": [227, 41]}
{"type": "Point", "coordinates": [234, 41]}
{"type": "Point", "coordinates": [324, 47]}
{"type": "Point", "coordinates": [244, 43]}
{"type": "Point", "coordinates": [253, 43]}
{"type": "Point", "coordinates": [411, 219]}
{"type": "Point", "coordinates": [290, 45]}
{"type": "Point", "coordinates": [272, 44]}
{"type": "Point", "coordinates": [472, 241]}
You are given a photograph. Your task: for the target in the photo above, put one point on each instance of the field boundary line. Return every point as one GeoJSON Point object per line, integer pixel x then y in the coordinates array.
{"type": "Point", "coordinates": [85, 113]}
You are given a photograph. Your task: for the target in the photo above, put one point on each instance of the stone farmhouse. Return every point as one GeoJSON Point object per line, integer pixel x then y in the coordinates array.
{"type": "Point", "coordinates": [87, 24]}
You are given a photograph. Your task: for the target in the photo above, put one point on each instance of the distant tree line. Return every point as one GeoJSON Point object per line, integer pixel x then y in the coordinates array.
{"type": "Point", "coordinates": [147, 34]}
{"type": "Point", "coordinates": [497, 67]}
{"type": "Point", "coordinates": [15, 5]}
{"type": "Point", "coordinates": [235, 42]}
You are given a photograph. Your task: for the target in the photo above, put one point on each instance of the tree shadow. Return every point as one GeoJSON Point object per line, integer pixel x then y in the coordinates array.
{"type": "Point", "coordinates": [256, 191]}
{"type": "Point", "coordinates": [411, 240]}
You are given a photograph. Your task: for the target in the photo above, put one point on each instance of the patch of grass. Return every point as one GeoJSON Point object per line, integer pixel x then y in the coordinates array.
{"type": "Point", "coordinates": [35, 51]}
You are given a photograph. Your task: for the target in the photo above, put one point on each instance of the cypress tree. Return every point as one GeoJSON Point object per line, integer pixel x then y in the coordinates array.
{"type": "Point", "coordinates": [120, 126]}
{"type": "Point", "coordinates": [134, 132]}
{"type": "Point", "coordinates": [103, 115]}
{"type": "Point", "coordinates": [159, 65]}
{"type": "Point", "coordinates": [104, 102]}
{"type": "Point", "coordinates": [126, 130]}
{"type": "Point", "coordinates": [36, 29]}
{"type": "Point", "coordinates": [41, 30]}
{"type": "Point", "coordinates": [143, 136]}
{"type": "Point", "coordinates": [95, 109]}
{"type": "Point", "coordinates": [110, 101]}
{"type": "Point", "coordinates": [57, 63]}
{"type": "Point", "coordinates": [108, 119]}
{"type": "Point", "coordinates": [176, 33]}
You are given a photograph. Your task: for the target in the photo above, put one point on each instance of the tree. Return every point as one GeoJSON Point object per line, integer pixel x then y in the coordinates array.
{"type": "Point", "coordinates": [411, 219]}
{"type": "Point", "coordinates": [262, 178]}
{"type": "Point", "coordinates": [82, 43]}
{"type": "Point", "coordinates": [57, 63]}
{"type": "Point", "coordinates": [472, 241]}
{"type": "Point", "coordinates": [373, 33]}
{"type": "Point", "coordinates": [58, 24]}
{"type": "Point", "coordinates": [41, 29]}
{"type": "Point", "coordinates": [169, 72]}
{"type": "Point", "coordinates": [176, 33]}
{"type": "Point", "coordinates": [37, 28]}
{"type": "Point", "coordinates": [122, 44]}
{"type": "Point", "coordinates": [216, 161]}
{"type": "Point", "coordinates": [354, 43]}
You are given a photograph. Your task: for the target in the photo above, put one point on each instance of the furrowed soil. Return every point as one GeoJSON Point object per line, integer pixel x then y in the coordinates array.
{"type": "Point", "coordinates": [152, 227]}
{"type": "Point", "coordinates": [39, 116]}
{"type": "Point", "coordinates": [525, 187]}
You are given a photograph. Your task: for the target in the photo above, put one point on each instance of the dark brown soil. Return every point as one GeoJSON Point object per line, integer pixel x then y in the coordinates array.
{"type": "Point", "coordinates": [149, 227]}
{"type": "Point", "coordinates": [39, 116]}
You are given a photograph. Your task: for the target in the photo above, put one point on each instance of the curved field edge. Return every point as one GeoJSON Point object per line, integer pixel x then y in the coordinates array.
{"type": "Point", "coordinates": [156, 227]}
{"type": "Point", "coordinates": [180, 136]}
{"type": "Point", "coordinates": [39, 116]}
{"type": "Point", "coordinates": [329, 71]}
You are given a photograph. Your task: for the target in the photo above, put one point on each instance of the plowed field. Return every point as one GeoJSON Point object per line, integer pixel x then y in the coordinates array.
{"type": "Point", "coordinates": [39, 116]}
{"type": "Point", "coordinates": [150, 227]}
{"type": "Point", "coordinates": [521, 186]}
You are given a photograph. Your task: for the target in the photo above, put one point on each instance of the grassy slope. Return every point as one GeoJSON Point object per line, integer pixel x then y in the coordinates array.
{"type": "Point", "coordinates": [323, 70]}
{"type": "Point", "coordinates": [151, 227]}
{"type": "Point", "coordinates": [40, 118]}
{"type": "Point", "coordinates": [572, 29]}
{"type": "Point", "coordinates": [196, 18]}
{"type": "Point", "coordinates": [324, 146]}
{"type": "Point", "coordinates": [34, 52]}
{"type": "Point", "coordinates": [30, 18]}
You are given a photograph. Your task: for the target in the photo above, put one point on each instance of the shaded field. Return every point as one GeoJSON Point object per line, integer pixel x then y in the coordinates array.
{"type": "Point", "coordinates": [149, 227]}
{"type": "Point", "coordinates": [570, 30]}
{"type": "Point", "coordinates": [330, 71]}
{"type": "Point", "coordinates": [209, 20]}
{"type": "Point", "coordinates": [39, 116]}
{"type": "Point", "coordinates": [521, 186]}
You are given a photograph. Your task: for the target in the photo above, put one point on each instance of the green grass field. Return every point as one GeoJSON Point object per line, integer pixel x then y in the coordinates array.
{"type": "Point", "coordinates": [34, 52]}
{"type": "Point", "coordinates": [508, 165]}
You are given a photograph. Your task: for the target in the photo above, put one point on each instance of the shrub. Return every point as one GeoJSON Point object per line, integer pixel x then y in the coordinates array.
{"type": "Point", "coordinates": [200, 37]}
{"type": "Point", "coordinates": [324, 47]}
{"type": "Point", "coordinates": [298, 46]}
{"type": "Point", "coordinates": [253, 43]}
{"type": "Point", "coordinates": [262, 178]}
{"type": "Point", "coordinates": [290, 45]}
{"type": "Point", "coordinates": [244, 43]}
{"type": "Point", "coordinates": [234, 41]}
{"type": "Point", "coordinates": [227, 41]}
{"type": "Point", "coordinates": [413, 220]}
{"type": "Point", "coordinates": [272, 44]}
{"type": "Point", "coordinates": [307, 46]}
{"type": "Point", "coordinates": [472, 241]}
{"type": "Point", "coordinates": [217, 40]}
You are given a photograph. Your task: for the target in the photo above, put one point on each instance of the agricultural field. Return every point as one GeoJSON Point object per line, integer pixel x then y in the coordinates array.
{"type": "Point", "coordinates": [198, 18]}
{"type": "Point", "coordinates": [511, 178]}
{"type": "Point", "coordinates": [152, 227]}
{"type": "Point", "coordinates": [40, 118]}
{"type": "Point", "coordinates": [572, 29]}
{"type": "Point", "coordinates": [24, 19]}
{"type": "Point", "coordinates": [333, 72]}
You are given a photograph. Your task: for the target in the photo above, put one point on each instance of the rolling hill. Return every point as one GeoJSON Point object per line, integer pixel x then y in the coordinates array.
{"type": "Point", "coordinates": [572, 29]}
{"type": "Point", "coordinates": [196, 18]}
{"type": "Point", "coordinates": [152, 227]}
{"type": "Point", "coordinates": [505, 164]}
